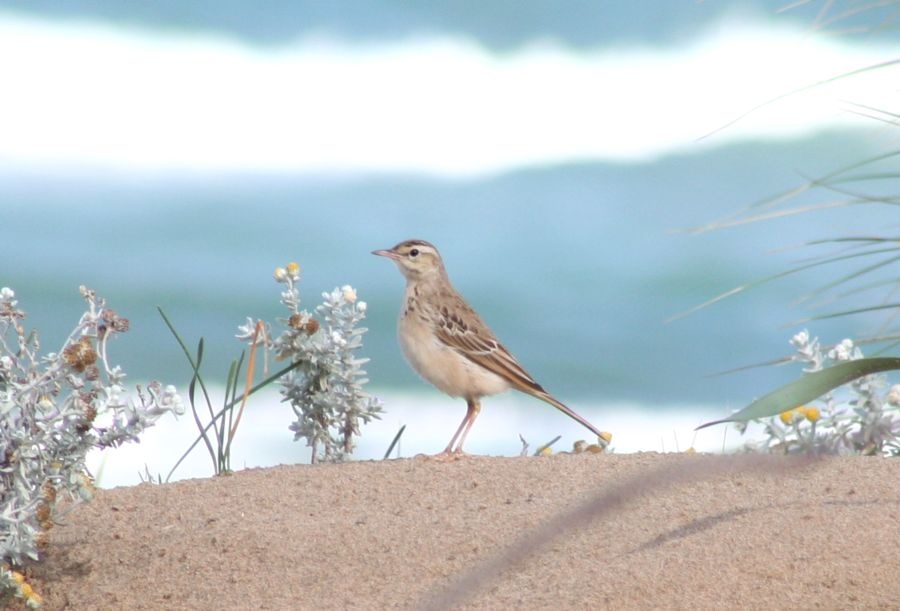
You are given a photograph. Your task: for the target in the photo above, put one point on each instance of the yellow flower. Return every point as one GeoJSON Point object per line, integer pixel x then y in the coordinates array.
{"type": "Point", "coordinates": [546, 451]}
{"type": "Point", "coordinates": [293, 269]}
{"type": "Point", "coordinates": [280, 274]}
{"type": "Point", "coordinates": [812, 413]}
{"type": "Point", "coordinates": [604, 438]}
{"type": "Point", "coordinates": [787, 417]}
{"type": "Point", "coordinates": [26, 590]}
{"type": "Point", "coordinates": [18, 577]}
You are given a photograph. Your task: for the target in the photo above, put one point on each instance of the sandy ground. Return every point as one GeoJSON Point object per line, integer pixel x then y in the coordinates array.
{"type": "Point", "coordinates": [636, 531]}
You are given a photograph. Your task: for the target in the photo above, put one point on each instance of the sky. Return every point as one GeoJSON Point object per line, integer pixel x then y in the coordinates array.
{"type": "Point", "coordinates": [92, 95]}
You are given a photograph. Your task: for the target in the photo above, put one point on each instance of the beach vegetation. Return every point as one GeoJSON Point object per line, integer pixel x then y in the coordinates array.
{"type": "Point", "coordinates": [322, 381]}
{"type": "Point", "coordinates": [861, 269]}
{"type": "Point", "coordinates": [325, 385]}
{"type": "Point", "coordinates": [54, 409]}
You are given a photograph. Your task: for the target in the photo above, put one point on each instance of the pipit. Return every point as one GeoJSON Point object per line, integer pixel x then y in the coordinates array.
{"type": "Point", "coordinates": [449, 345]}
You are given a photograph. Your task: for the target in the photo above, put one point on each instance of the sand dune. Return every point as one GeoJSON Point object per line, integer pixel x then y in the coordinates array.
{"type": "Point", "coordinates": [567, 531]}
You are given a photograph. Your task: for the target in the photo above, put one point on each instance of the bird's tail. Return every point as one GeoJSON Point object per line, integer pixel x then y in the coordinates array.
{"type": "Point", "coordinates": [545, 396]}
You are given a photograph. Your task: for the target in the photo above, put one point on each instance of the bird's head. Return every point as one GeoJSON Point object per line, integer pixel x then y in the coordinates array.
{"type": "Point", "coordinates": [417, 259]}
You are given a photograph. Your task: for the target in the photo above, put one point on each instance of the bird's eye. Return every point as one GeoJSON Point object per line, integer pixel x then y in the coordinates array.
{"type": "Point", "coordinates": [414, 252]}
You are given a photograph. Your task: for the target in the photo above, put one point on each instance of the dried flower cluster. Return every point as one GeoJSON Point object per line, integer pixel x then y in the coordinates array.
{"type": "Point", "coordinates": [13, 585]}
{"type": "Point", "coordinates": [867, 422]}
{"type": "Point", "coordinates": [325, 389]}
{"type": "Point", "coordinates": [53, 410]}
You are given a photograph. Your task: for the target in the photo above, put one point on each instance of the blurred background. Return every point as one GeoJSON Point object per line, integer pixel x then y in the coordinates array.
{"type": "Point", "coordinates": [171, 154]}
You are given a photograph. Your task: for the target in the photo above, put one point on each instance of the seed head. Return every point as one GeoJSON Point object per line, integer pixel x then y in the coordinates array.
{"type": "Point", "coordinates": [48, 492]}
{"type": "Point", "coordinates": [303, 322]}
{"type": "Point", "coordinates": [349, 293]}
{"type": "Point", "coordinates": [80, 355]}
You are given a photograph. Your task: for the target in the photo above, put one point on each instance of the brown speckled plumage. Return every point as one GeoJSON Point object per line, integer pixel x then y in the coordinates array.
{"type": "Point", "coordinates": [449, 344]}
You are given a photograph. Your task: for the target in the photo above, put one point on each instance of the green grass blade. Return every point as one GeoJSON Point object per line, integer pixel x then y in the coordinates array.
{"type": "Point", "coordinates": [184, 348]}
{"type": "Point", "coordinates": [547, 445]}
{"type": "Point", "coordinates": [195, 366]}
{"type": "Point", "coordinates": [777, 361]}
{"type": "Point", "coordinates": [199, 424]}
{"type": "Point", "coordinates": [192, 392]}
{"type": "Point", "coordinates": [854, 274]}
{"type": "Point", "coordinates": [230, 405]}
{"type": "Point", "coordinates": [200, 347]}
{"type": "Point", "coordinates": [870, 176]}
{"type": "Point", "coordinates": [741, 217]}
{"type": "Point", "coordinates": [865, 69]}
{"type": "Point", "coordinates": [187, 353]}
{"type": "Point", "coordinates": [394, 442]}
{"type": "Point", "coordinates": [226, 419]}
{"type": "Point", "coordinates": [793, 270]}
{"type": "Point", "coordinates": [876, 110]}
{"type": "Point", "coordinates": [854, 238]}
{"type": "Point", "coordinates": [234, 373]}
{"type": "Point", "coordinates": [865, 310]}
{"type": "Point", "coordinates": [808, 388]}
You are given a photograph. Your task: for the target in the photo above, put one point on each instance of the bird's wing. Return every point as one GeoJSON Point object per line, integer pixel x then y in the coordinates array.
{"type": "Point", "coordinates": [460, 328]}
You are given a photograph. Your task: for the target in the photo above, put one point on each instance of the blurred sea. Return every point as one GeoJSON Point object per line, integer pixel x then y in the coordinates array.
{"type": "Point", "coordinates": [575, 265]}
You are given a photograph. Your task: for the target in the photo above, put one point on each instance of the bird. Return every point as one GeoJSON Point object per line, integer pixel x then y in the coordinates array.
{"type": "Point", "coordinates": [449, 345]}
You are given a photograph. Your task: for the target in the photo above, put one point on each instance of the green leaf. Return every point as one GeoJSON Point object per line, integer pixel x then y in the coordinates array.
{"type": "Point", "coordinates": [808, 388]}
{"type": "Point", "coordinates": [394, 442]}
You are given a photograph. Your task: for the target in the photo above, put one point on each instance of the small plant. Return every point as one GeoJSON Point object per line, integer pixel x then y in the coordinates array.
{"type": "Point", "coordinates": [325, 386]}
{"type": "Point", "coordinates": [867, 423]}
{"type": "Point", "coordinates": [53, 410]}
{"type": "Point", "coordinates": [323, 381]}
{"type": "Point", "coordinates": [223, 423]}
{"type": "Point", "coordinates": [871, 257]}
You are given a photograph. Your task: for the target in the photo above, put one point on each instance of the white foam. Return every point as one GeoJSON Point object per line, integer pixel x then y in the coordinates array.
{"type": "Point", "coordinates": [90, 94]}
{"type": "Point", "coordinates": [263, 438]}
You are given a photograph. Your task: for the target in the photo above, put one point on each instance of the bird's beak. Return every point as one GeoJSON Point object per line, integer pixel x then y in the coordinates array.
{"type": "Point", "coordinates": [390, 254]}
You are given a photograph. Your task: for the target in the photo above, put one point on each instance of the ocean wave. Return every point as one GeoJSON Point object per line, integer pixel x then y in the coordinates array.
{"type": "Point", "coordinates": [263, 438]}
{"type": "Point", "coordinates": [130, 98]}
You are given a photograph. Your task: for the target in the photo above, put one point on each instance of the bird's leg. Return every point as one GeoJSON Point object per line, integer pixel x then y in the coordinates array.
{"type": "Point", "coordinates": [474, 407]}
{"type": "Point", "coordinates": [462, 425]}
